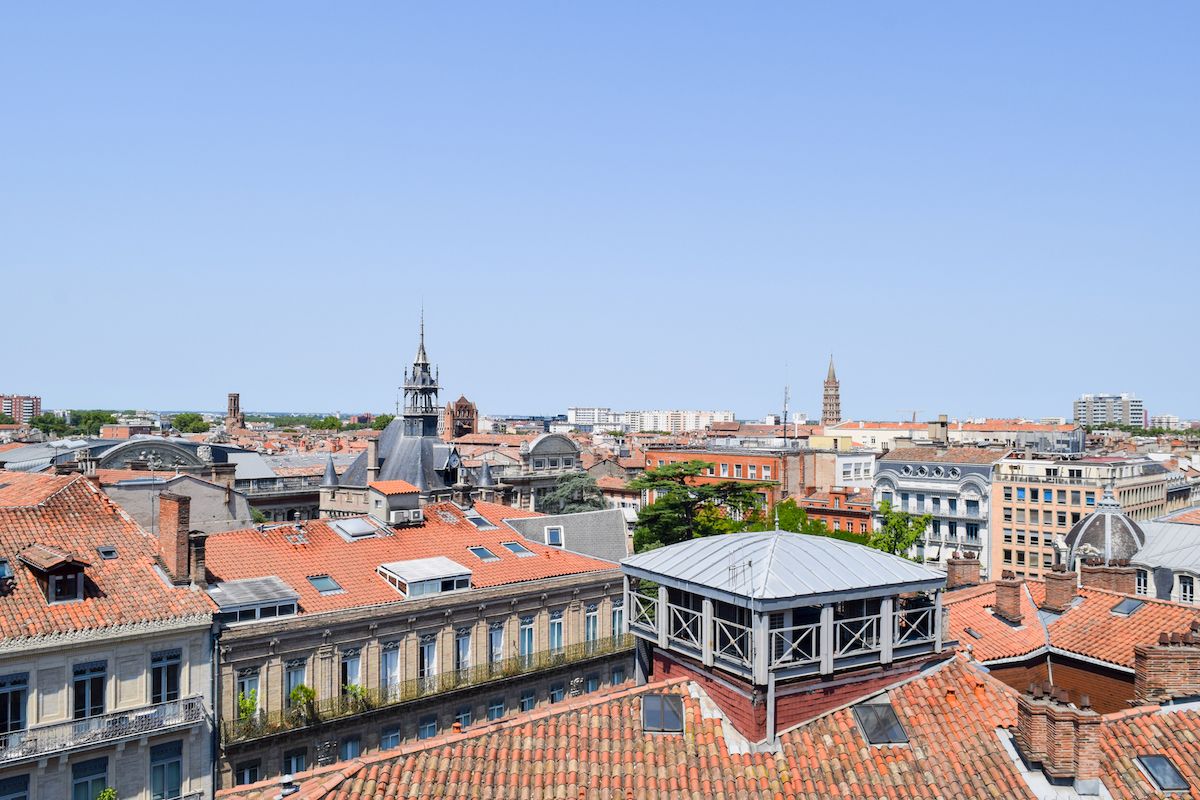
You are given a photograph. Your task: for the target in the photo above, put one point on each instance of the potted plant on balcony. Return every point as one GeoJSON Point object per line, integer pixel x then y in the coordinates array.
{"type": "Point", "coordinates": [356, 697]}
{"type": "Point", "coordinates": [108, 793]}
{"type": "Point", "coordinates": [303, 704]}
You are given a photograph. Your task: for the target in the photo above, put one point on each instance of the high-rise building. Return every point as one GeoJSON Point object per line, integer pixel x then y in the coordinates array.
{"type": "Point", "coordinates": [1110, 409]}
{"type": "Point", "coordinates": [831, 406]}
{"type": "Point", "coordinates": [20, 407]}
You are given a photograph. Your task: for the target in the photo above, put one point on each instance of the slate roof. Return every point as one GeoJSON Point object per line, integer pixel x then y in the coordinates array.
{"type": "Point", "coordinates": [418, 460]}
{"type": "Point", "coordinates": [778, 565]}
{"type": "Point", "coordinates": [600, 534]}
{"type": "Point", "coordinates": [294, 554]}
{"type": "Point", "coordinates": [42, 515]}
{"type": "Point", "coordinates": [1107, 533]}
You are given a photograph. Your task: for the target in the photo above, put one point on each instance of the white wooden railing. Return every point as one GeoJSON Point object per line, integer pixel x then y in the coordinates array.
{"type": "Point", "coordinates": [856, 635]}
{"type": "Point", "coordinates": [731, 641]}
{"type": "Point", "coordinates": [683, 625]}
{"type": "Point", "coordinates": [800, 644]}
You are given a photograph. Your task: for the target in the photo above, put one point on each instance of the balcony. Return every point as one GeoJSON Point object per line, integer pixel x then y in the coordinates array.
{"type": "Point", "coordinates": [271, 723]}
{"type": "Point", "coordinates": [63, 737]}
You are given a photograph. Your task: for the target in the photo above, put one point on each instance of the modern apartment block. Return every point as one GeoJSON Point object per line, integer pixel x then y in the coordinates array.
{"type": "Point", "coordinates": [105, 648]}
{"type": "Point", "coordinates": [953, 485]}
{"type": "Point", "coordinates": [670, 420]}
{"type": "Point", "coordinates": [1109, 409]}
{"type": "Point", "coordinates": [1036, 501]}
{"type": "Point", "coordinates": [20, 407]}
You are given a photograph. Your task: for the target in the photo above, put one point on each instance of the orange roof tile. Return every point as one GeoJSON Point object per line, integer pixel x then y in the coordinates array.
{"type": "Point", "coordinates": [970, 610]}
{"type": "Point", "coordinates": [278, 550]}
{"type": "Point", "coordinates": [1090, 629]}
{"type": "Point", "coordinates": [394, 487]}
{"type": "Point", "coordinates": [65, 515]}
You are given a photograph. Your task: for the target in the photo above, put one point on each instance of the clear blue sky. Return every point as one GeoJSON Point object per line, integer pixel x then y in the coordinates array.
{"type": "Point", "coordinates": [977, 210]}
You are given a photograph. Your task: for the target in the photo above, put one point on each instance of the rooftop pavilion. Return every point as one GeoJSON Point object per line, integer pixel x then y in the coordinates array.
{"type": "Point", "coordinates": [772, 607]}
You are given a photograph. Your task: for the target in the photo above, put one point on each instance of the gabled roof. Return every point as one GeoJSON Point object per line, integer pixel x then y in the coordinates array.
{"type": "Point", "coordinates": [49, 520]}
{"type": "Point", "coordinates": [390, 488]}
{"type": "Point", "coordinates": [780, 565]}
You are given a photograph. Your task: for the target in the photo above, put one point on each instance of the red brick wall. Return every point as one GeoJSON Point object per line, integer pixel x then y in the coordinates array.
{"type": "Point", "coordinates": [1109, 690]}
{"type": "Point", "coordinates": [174, 519]}
{"type": "Point", "coordinates": [1163, 672]}
{"type": "Point", "coordinates": [748, 718]}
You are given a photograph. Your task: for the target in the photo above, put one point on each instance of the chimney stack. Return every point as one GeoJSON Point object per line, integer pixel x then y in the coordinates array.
{"type": "Point", "coordinates": [962, 570]}
{"type": "Point", "coordinates": [1063, 738]}
{"type": "Point", "coordinates": [372, 460]}
{"type": "Point", "coordinates": [1114, 576]}
{"type": "Point", "coordinates": [197, 569]}
{"type": "Point", "coordinates": [1061, 585]}
{"type": "Point", "coordinates": [174, 518]}
{"type": "Point", "coordinates": [1008, 597]}
{"type": "Point", "coordinates": [1169, 669]}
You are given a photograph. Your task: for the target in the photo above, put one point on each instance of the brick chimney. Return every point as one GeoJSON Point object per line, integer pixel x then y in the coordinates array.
{"type": "Point", "coordinates": [1061, 586]}
{"type": "Point", "coordinates": [962, 570]}
{"type": "Point", "coordinates": [372, 461]}
{"type": "Point", "coordinates": [197, 570]}
{"type": "Point", "coordinates": [174, 518]}
{"type": "Point", "coordinates": [1169, 669]}
{"type": "Point", "coordinates": [1064, 739]}
{"type": "Point", "coordinates": [1008, 597]}
{"type": "Point", "coordinates": [1115, 576]}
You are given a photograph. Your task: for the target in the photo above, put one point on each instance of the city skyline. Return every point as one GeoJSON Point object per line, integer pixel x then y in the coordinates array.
{"type": "Point", "coordinates": [934, 209]}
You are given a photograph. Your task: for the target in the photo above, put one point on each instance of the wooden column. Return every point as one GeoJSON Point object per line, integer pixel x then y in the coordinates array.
{"type": "Point", "coordinates": [759, 649]}
{"type": "Point", "coordinates": [937, 620]}
{"type": "Point", "coordinates": [663, 617]}
{"type": "Point", "coordinates": [887, 627]}
{"type": "Point", "coordinates": [827, 639]}
{"type": "Point", "coordinates": [706, 633]}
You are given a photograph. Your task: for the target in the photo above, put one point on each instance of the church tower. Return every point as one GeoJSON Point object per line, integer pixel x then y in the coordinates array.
{"type": "Point", "coordinates": [831, 406]}
{"type": "Point", "coordinates": [421, 409]}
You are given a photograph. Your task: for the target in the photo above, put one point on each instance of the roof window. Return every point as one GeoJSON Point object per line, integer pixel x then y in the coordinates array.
{"type": "Point", "coordinates": [483, 554]}
{"type": "Point", "coordinates": [1163, 772]}
{"type": "Point", "coordinates": [974, 633]}
{"type": "Point", "coordinates": [324, 584]}
{"type": "Point", "coordinates": [518, 549]}
{"type": "Point", "coordinates": [879, 724]}
{"type": "Point", "coordinates": [554, 535]}
{"type": "Point", "coordinates": [662, 713]}
{"type": "Point", "coordinates": [1127, 606]}
{"type": "Point", "coordinates": [107, 552]}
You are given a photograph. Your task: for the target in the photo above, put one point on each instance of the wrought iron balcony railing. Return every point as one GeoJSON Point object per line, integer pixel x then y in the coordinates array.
{"type": "Point", "coordinates": [363, 700]}
{"type": "Point", "coordinates": [41, 741]}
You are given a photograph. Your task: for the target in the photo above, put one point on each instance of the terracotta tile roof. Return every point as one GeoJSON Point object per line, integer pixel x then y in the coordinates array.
{"type": "Point", "coordinates": [594, 747]}
{"type": "Point", "coordinates": [495, 439]}
{"type": "Point", "coordinates": [65, 515]}
{"type": "Point", "coordinates": [46, 558]}
{"type": "Point", "coordinates": [970, 609]}
{"type": "Point", "coordinates": [613, 483]}
{"type": "Point", "coordinates": [294, 555]}
{"type": "Point", "coordinates": [1189, 516]}
{"type": "Point", "coordinates": [394, 487]}
{"type": "Point", "coordinates": [1149, 731]}
{"type": "Point", "coordinates": [949, 455]}
{"type": "Point", "coordinates": [12, 446]}
{"type": "Point", "coordinates": [1091, 629]}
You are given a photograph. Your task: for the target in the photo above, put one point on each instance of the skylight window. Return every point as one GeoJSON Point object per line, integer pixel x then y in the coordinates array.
{"type": "Point", "coordinates": [1127, 606]}
{"type": "Point", "coordinates": [974, 633]}
{"type": "Point", "coordinates": [107, 552]}
{"type": "Point", "coordinates": [518, 549]}
{"type": "Point", "coordinates": [662, 713]}
{"type": "Point", "coordinates": [483, 554]}
{"type": "Point", "coordinates": [480, 522]}
{"type": "Point", "coordinates": [1163, 772]}
{"type": "Point", "coordinates": [554, 535]}
{"type": "Point", "coordinates": [879, 724]}
{"type": "Point", "coordinates": [324, 584]}
{"type": "Point", "coordinates": [5, 569]}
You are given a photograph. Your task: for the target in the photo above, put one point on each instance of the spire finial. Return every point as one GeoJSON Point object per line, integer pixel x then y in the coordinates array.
{"type": "Point", "coordinates": [421, 358]}
{"type": "Point", "coordinates": [832, 375]}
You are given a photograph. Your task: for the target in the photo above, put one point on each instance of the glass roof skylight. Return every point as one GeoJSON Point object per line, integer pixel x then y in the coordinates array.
{"type": "Point", "coordinates": [879, 723]}
{"type": "Point", "coordinates": [324, 584]}
{"type": "Point", "coordinates": [1163, 772]}
{"type": "Point", "coordinates": [483, 554]}
{"type": "Point", "coordinates": [662, 713]}
{"type": "Point", "coordinates": [518, 549]}
{"type": "Point", "coordinates": [1127, 606]}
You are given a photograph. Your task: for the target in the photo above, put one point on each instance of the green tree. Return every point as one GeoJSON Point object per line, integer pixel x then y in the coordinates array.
{"type": "Point", "coordinates": [687, 509]}
{"type": "Point", "coordinates": [572, 492]}
{"type": "Point", "coordinates": [257, 516]}
{"type": "Point", "coordinates": [88, 423]}
{"type": "Point", "coordinates": [791, 518]}
{"type": "Point", "coordinates": [329, 423]}
{"type": "Point", "coordinates": [189, 422]}
{"type": "Point", "coordinates": [382, 421]}
{"type": "Point", "coordinates": [5, 419]}
{"type": "Point", "coordinates": [49, 424]}
{"type": "Point", "coordinates": [898, 529]}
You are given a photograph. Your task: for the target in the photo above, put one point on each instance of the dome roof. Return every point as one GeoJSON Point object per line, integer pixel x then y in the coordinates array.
{"type": "Point", "coordinates": [1107, 533]}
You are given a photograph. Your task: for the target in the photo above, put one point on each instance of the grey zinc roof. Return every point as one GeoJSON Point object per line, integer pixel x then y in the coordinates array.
{"type": "Point", "coordinates": [249, 465]}
{"type": "Point", "coordinates": [775, 566]}
{"type": "Point", "coordinates": [600, 534]}
{"type": "Point", "coordinates": [252, 592]}
{"type": "Point", "coordinates": [425, 569]}
{"type": "Point", "coordinates": [1174, 545]}
{"type": "Point", "coordinates": [418, 460]}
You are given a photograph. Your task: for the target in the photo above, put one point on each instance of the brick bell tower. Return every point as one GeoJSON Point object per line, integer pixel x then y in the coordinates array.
{"type": "Point", "coordinates": [831, 405]}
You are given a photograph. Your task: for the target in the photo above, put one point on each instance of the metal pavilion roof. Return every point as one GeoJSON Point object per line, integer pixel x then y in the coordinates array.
{"type": "Point", "coordinates": [781, 569]}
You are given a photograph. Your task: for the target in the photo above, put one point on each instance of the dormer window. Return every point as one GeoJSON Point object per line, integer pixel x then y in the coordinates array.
{"type": "Point", "coordinates": [65, 586]}
{"type": "Point", "coordinates": [554, 535]}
